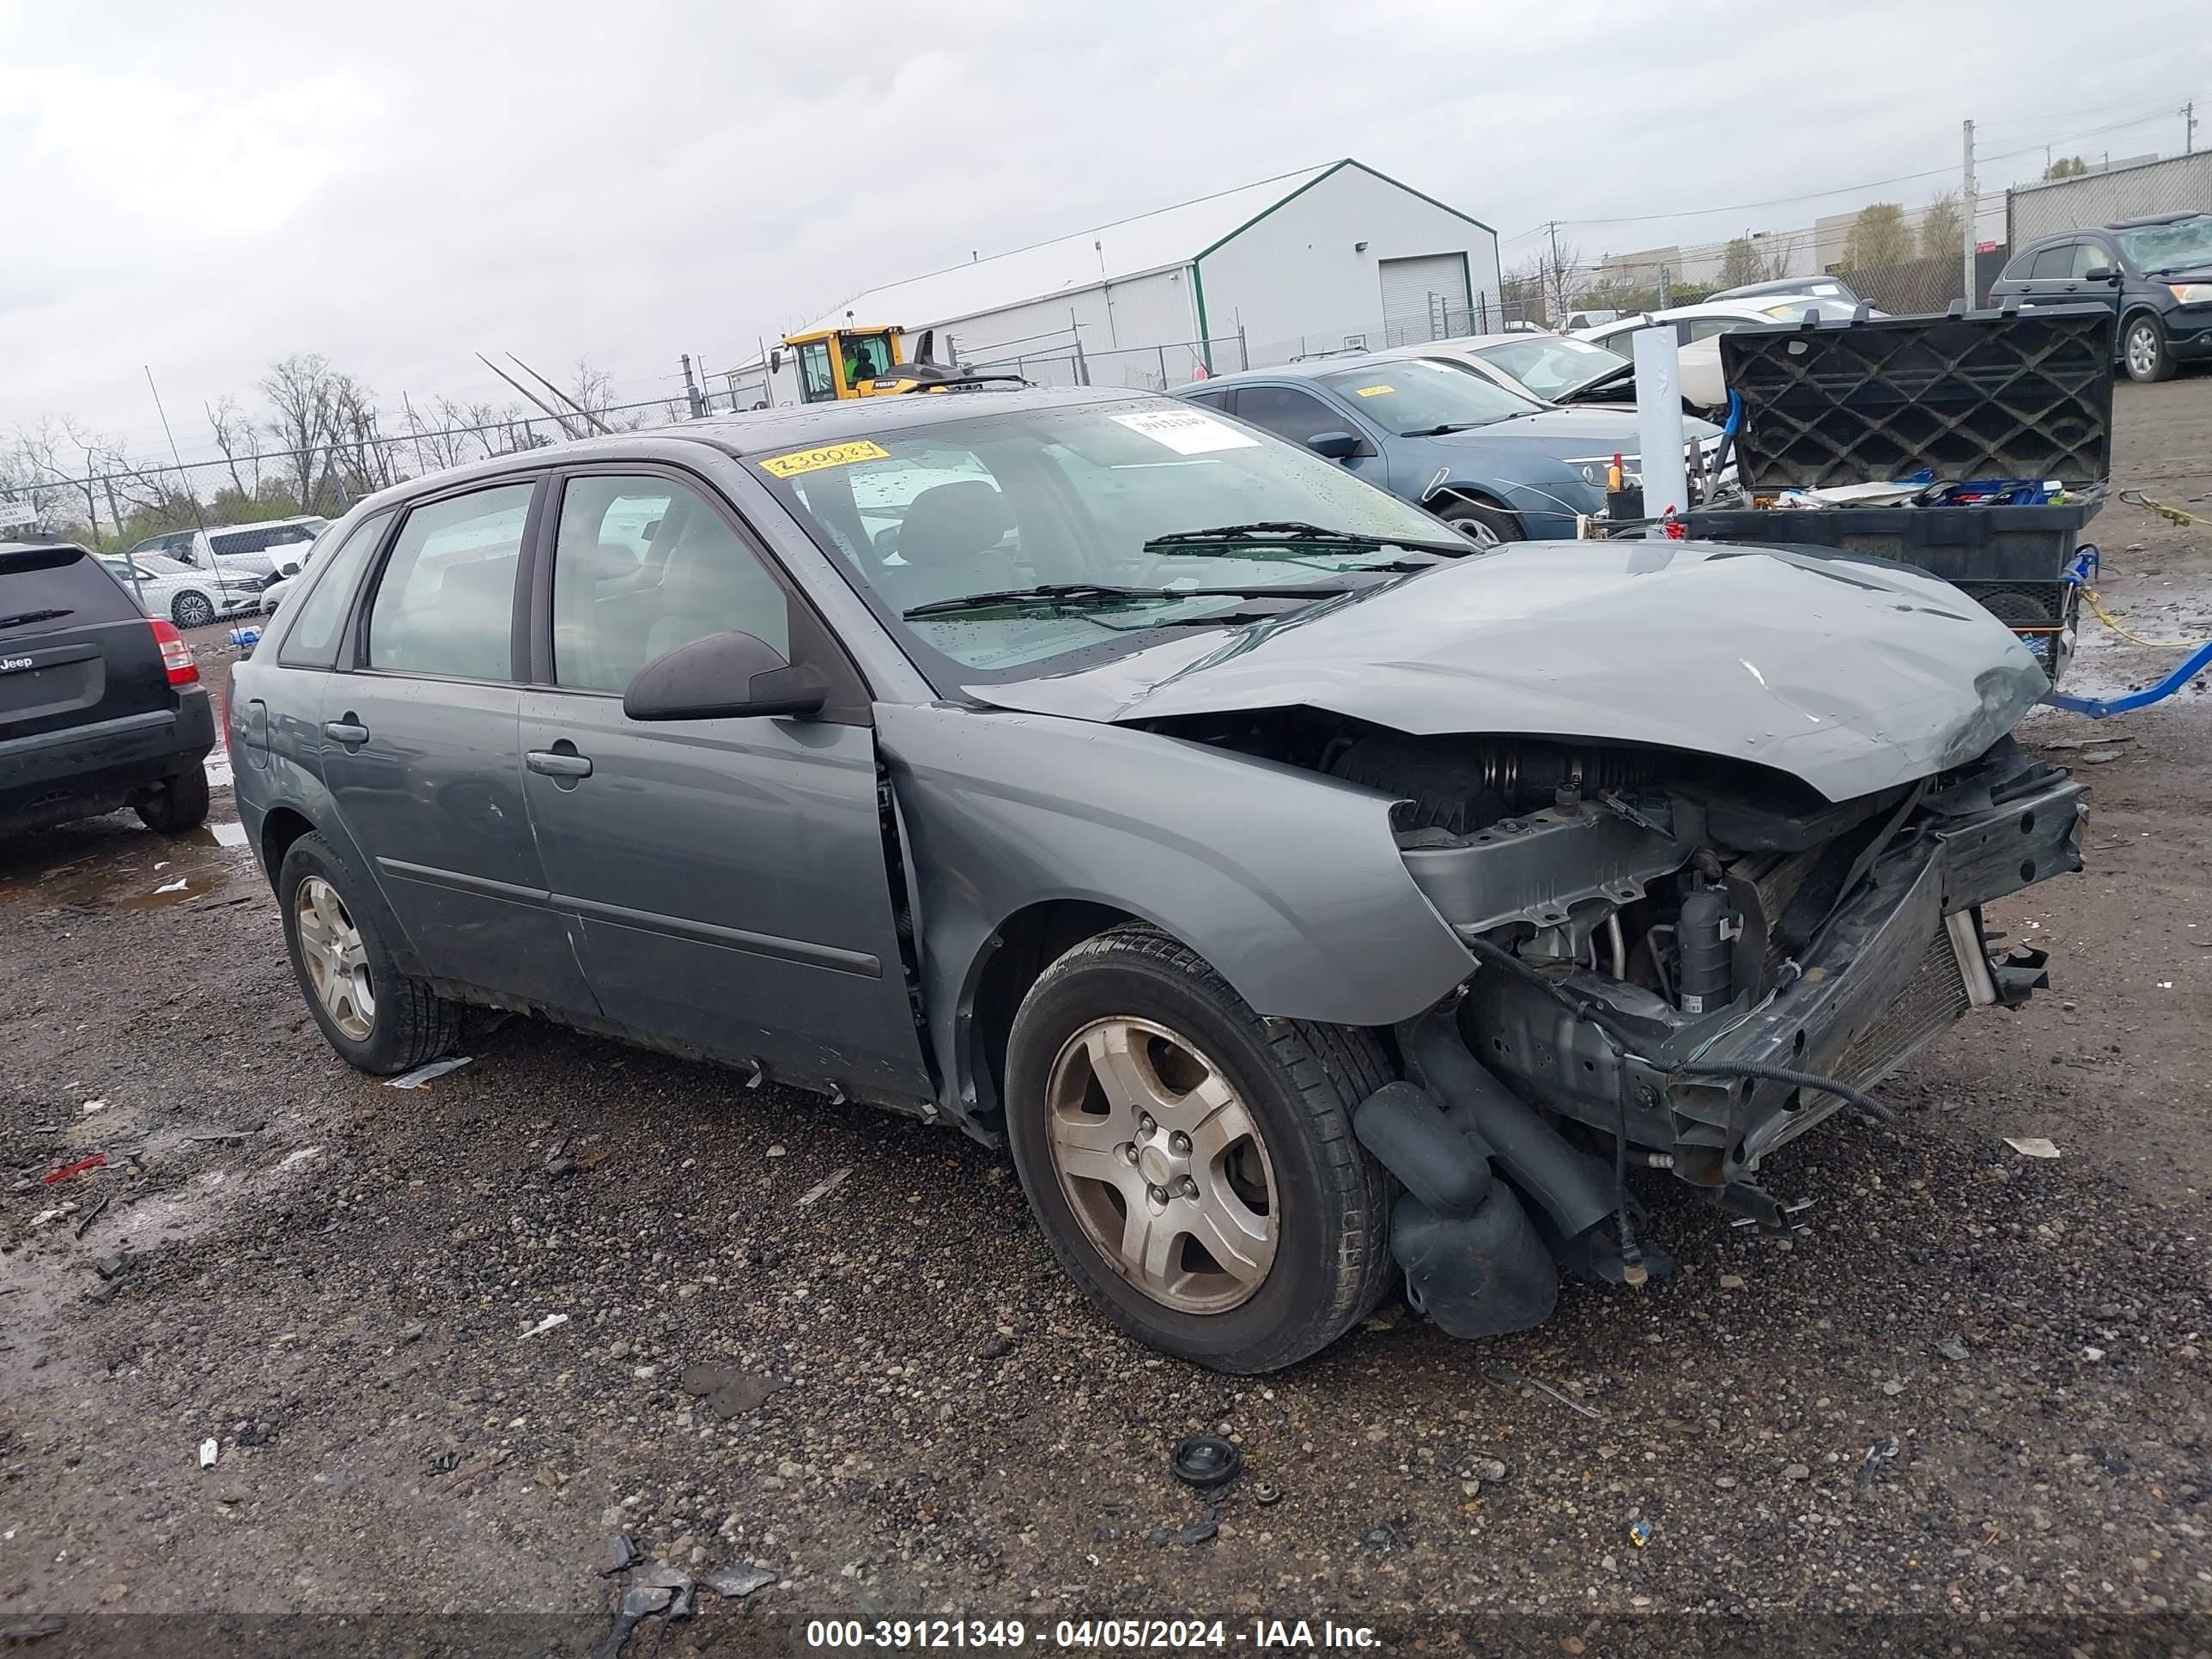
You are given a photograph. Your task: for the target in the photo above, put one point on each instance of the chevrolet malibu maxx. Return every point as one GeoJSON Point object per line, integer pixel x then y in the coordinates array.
{"type": "Point", "coordinates": [1311, 901]}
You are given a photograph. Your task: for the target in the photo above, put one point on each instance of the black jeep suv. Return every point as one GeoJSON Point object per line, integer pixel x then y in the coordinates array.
{"type": "Point", "coordinates": [100, 706]}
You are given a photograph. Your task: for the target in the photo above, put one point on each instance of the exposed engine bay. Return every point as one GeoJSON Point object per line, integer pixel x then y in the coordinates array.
{"type": "Point", "coordinates": [1684, 963]}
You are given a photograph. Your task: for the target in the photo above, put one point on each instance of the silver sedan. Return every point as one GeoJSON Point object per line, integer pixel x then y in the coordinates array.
{"type": "Point", "coordinates": [188, 597]}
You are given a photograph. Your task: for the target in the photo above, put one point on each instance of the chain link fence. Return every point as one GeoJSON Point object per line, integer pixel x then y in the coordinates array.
{"type": "Point", "coordinates": [126, 503]}
{"type": "Point", "coordinates": [1066, 361]}
{"type": "Point", "coordinates": [2180, 184]}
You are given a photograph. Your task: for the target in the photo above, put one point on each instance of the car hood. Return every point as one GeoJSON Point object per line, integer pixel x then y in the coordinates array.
{"type": "Point", "coordinates": [1850, 675]}
{"type": "Point", "coordinates": [1575, 430]}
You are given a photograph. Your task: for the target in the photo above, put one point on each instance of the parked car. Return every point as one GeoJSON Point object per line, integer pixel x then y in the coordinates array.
{"type": "Point", "coordinates": [1552, 368]}
{"type": "Point", "coordinates": [1493, 462]}
{"type": "Point", "coordinates": [1299, 892]}
{"type": "Point", "coordinates": [1578, 319]}
{"type": "Point", "coordinates": [1699, 328]}
{"type": "Point", "coordinates": [2155, 274]}
{"type": "Point", "coordinates": [250, 547]}
{"type": "Point", "coordinates": [1784, 287]}
{"type": "Point", "coordinates": [100, 706]}
{"type": "Point", "coordinates": [188, 597]}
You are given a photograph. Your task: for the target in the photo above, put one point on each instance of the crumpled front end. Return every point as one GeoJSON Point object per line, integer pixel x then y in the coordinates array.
{"type": "Point", "coordinates": [1680, 972]}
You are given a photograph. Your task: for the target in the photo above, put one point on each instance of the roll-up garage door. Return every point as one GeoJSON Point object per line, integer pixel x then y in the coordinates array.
{"type": "Point", "coordinates": [1408, 311]}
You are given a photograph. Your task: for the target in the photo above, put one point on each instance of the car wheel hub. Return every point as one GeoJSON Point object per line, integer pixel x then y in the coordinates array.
{"type": "Point", "coordinates": [336, 959]}
{"type": "Point", "coordinates": [2143, 350]}
{"type": "Point", "coordinates": [1162, 1165]}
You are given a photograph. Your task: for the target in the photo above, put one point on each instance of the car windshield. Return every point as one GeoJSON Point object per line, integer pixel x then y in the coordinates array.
{"type": "Point", "coordinates": [1551, 365]}
{"type": "Point", "coordinates": [2181, 246]}
{"type": "Point", "coordinates": [1072, 495]}
{"type": "Point", "coordinates": [154, 564]}
{"type": "Point", "coordinates": [1412, 397]}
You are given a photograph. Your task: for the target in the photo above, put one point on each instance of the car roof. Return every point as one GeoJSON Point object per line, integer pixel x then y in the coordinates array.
{"type": "Point", "coordinates": [1780, 285]}
{"type": "Point", "coordinates": [2155, 219]}
{"type": "Point", "coordinates": [1311, 370]}
{"type": "Point", "coordinates": [266, 524]}
{"type": "Point", "coordinates": [38, 547]}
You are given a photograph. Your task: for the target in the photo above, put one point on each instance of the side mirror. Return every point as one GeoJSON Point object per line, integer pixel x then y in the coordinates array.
{"type": "Point", "coordinates": [723, 677]}
{"type": "Point", "coordinates": [1334, 446]}
{"type": "Point", "coordinates": [775, 360]}
{"type": "Point", "coordinates": [2100, 274]}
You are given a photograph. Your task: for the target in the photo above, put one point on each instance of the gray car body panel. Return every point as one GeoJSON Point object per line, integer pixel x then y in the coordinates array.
{"type": "Point", "coordinates": [1289, 884]}
{"type": "Point", "coordinates": [1848, 675]}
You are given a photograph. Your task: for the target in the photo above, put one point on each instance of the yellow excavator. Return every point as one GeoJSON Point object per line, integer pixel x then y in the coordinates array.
{"type": "Point", "coordinates": [867, 362]}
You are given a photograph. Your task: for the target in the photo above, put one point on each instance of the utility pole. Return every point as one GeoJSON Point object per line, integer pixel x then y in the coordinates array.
{"type": "Point", "coordinates": [1559, 281]}
{"type": "Point", "coordinates": [2189, 128]}
{"type": "Point", "coordinates": [1969, 201]}
{"type": "Point", "coordinates": [691, 389]}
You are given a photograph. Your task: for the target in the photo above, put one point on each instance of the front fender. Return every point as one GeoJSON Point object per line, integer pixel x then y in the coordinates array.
{"type": "Point", "coordinates": [1290, 885]}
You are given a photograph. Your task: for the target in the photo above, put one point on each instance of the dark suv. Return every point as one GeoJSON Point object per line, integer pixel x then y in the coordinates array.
{"type": "Point", "coordinates": [2155, 274]}
{"type": "Point", "coordinates": [100, 706]}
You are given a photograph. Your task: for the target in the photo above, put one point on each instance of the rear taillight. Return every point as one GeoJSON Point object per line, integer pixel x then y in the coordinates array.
{"type": "Point", "coordinates": [176, 655]}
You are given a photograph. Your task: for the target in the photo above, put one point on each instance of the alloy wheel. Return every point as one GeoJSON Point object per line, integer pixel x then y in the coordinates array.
{"type": "Point", "coordinates": [2142, 351]}
{"type": "Point", "coordinates": [337, 961]}
{"type": "Point", "coordinates": [1163, 1165]}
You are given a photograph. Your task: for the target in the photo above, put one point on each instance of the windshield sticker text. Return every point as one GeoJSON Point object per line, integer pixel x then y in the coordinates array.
{"type": "Point", "coordinates": [1374, 391]}
{"type": "Point", "coordinates": [813, 460]}
{"type": "Point", "coordinates": [1186, 431]}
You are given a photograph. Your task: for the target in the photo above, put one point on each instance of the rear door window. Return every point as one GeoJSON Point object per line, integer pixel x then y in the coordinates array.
{"type": "Point", "coordinates": [312, 642]}
{"type": "Point", "coordinates": [2055, 262]}
{"type": "Point", "coordinates": [445, 604]}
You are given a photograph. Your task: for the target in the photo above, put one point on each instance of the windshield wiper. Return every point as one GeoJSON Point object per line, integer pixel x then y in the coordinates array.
{"type": "Point", "coordinates": [1106, 593]}
{"type": "Point", "coordinates": [22, 617]}
{"type": "Point", "coordinates": [1293, 531]}
{"type": "Point", "coordinates": [1449, 427]}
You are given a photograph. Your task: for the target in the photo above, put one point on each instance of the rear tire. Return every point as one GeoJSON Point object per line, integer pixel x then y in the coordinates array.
{"type": "Point", "coordinates": [397, 1023]}
{"type": "Point", "coordinates": [1324, 1202]}
{"type": "Point", "coordinates": [1494, 523]}
{"type": "Point", "coordinates": [2143, 352]}
{"type": "Point", "coordinates": [178, 805]}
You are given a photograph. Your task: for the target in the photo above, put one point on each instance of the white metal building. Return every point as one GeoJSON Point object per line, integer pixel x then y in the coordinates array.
{"type": "Point", "coordinates": [1312, 260]}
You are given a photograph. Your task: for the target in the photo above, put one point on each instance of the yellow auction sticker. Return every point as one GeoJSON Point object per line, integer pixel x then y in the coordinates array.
{"type": "Point", "coordinates": [813, 460]}
{"type": "Point", "coordinates": [1373, 391]}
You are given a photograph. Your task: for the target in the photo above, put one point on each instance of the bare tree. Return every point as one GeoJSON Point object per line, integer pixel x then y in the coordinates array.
{"type": "Point", "coordinates": [300, 391]}
{"type": "Point", "coordinates": [239, 441]}
{"type": "Point", "coordinates": [1521, 292]}
{"type": "Point", "coordinates": [1562, 272]}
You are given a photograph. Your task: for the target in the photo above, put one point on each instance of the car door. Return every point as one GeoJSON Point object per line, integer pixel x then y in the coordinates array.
{"type": "Point", "coordinates": [1295, 413]}
{"type": "Point", "coordinates": [419, 754]}
{"type": "Point", "coordinates": [728, 877]}
{"type": "Point", "coordinates": [2093, 253]}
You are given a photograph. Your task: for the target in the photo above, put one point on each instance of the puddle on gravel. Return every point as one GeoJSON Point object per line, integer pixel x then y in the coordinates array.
{"type": "Point", "coordinates": [187, 875]}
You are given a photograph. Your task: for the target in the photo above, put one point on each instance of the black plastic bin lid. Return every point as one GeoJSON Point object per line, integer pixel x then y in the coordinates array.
{"type": "Point", "coordinates": [1970, 394]}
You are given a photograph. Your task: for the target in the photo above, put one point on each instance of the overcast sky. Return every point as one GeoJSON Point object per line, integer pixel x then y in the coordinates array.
{"type": "Point", "coordinates": [208, 187]}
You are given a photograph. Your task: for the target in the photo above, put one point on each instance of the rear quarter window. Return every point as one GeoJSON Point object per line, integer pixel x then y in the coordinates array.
{"type": "Point", "coordinates": [50, 587]}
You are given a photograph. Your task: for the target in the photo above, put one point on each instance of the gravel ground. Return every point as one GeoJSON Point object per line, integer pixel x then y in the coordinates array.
{"type": "Point", "coordinates": [831, 1343]}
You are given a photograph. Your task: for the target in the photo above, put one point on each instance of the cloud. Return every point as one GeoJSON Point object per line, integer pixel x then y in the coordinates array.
{"type": "Point", "coordinates": [400, 186]}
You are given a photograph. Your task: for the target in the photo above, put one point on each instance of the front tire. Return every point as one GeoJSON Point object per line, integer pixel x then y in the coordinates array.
{"type": "Point", "coordinates": [190, 610]}
{"type": "Point", "coordinates": [1485, 526]}
{"type": "Point", "coordinates": [2143, 352]}
{"type": "Point", "coordinates": [180, 804]}
{"type": "Point", "coordinates": [379, 1020]}
{"type": "Point", "coordinates": [1192, 1165]}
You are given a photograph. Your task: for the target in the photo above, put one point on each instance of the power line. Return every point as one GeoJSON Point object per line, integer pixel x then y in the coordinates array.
{"type": "Point", "coordinates": [2162, 112]}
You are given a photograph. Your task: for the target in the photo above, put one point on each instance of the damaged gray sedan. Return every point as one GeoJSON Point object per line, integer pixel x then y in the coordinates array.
{"type": "Point", "coordinates": [1308, 899]}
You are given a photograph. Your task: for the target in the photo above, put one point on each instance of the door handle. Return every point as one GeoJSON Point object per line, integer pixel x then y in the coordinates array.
{"type": "Point", "coordinates": [349, 731]}
{"type": "Point", "coordinates": [556, 763]}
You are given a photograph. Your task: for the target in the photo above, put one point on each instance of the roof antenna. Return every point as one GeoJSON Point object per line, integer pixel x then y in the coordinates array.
{"type": "Point", "coordinates": [215, 564]}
